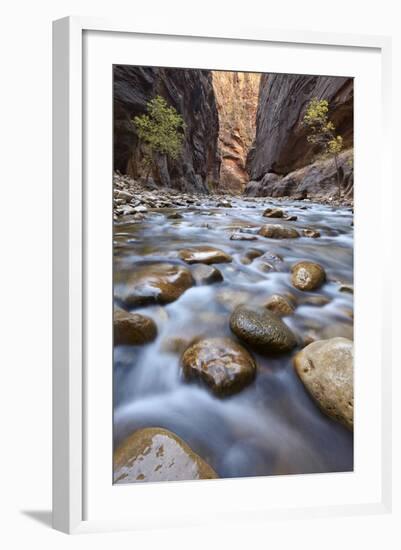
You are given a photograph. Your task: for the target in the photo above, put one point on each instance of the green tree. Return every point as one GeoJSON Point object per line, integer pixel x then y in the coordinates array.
{"type": "Point", "coordinates": [322, 132]}
{"type": "Point", "coordinates": [160, 130]}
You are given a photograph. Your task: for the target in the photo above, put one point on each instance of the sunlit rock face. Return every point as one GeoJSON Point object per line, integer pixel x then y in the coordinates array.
{"type": "Point", "coordinates": [280, 145]}
{"type": "Point", "coordinates": [237, 99]}
{"type": "Point", "coordinates": [190, 92]}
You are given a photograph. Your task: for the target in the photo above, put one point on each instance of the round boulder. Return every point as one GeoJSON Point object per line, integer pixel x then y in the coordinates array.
{"type": "Point", "coordinates": [307, 275]}
{"type": "Point", "coordinates": [152, 284]}
{"type": "Point", "coordinates": [262, 330]}
{"type": "Point", "coordinates": [204, 255]}
{"type": "Point", "coordinates": [132, 328]}
{"type": "Point", "coordinates": [225, 366]}
{"type": "Point", "coordinates": [155, 454]}
{"type": "Point", "coordinates": [272, 231]}
{"type": "Point", "coordinates": [326, 369]}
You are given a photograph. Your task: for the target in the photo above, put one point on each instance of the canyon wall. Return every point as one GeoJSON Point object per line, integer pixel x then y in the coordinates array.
{"type": "Point", "coordinates": [280, 145]}
{"type": "Point", "coordinates": [237, 100]}
{"type": "Point", "coordinates": [190, 92]}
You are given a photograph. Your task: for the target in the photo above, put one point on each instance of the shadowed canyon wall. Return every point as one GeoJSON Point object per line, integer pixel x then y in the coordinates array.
{"type": "Point", "coordinates": [190, 92]}
{"type": "Point", "coordinates": [237, 100]}
{"type": "Point", "coordinates": [281, 145]}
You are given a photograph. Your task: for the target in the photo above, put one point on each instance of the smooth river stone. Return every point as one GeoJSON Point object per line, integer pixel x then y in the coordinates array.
{"type": "Point", "coordinates": [224, 365]}
{"type": "Point", "coordinates": [204, 255]}
{"type": "Point", "coordinates": [326, 369]}
{"type": "Point", "coordinates": [133, 328]}
{"type": "Point", "coordinates": [273, 231]}
{"type": "Point", "coordinates": [156, 454]}
{"type": "Point", "coordinates": [262, 330]}
{"type": "Point", "coordinates": [153, 284]}
{"type": "Point", "coordinates": [279, 305]}
{"type": "Point", "coordinates": [307, 275]}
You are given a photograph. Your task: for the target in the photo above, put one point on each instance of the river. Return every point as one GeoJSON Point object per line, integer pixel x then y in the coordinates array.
{"type": "Point", "coordinates": [272, 426]}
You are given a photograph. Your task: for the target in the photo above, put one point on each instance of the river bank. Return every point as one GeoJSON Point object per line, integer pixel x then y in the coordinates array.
{"type": "Point", "coordinates": [130, 197]}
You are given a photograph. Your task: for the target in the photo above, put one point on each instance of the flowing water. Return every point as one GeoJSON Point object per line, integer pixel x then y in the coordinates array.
{"type": "Point", "coordinates": [272, 426]}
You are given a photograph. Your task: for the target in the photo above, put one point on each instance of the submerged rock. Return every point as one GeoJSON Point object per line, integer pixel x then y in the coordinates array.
{"type": "Point", "coordinates": [312, 233]}
{"type": "Point", "coordinates": [326, 369]}
{"type": "Point", "coordinates": [243, 237]}
{"type": "Point", "coordinates": [262, 330]}
{"type": "Point", "coordinates": [153, 284]}
{"type": "Point", "coordinates": [156, 454]}
{"type": "Point", "coordinates": [307, 275]}
{"type": "Point", "coordinates": [318, 300]}
{"type": "Point", "coordinates": [347, 288]}
{"type": "Point", "coordinates": [225, 366]}
{"type": "Point", "coordinates": [279, 305]}
{"type": "Point", "coordinates": [175, 216]}
{"type": "Point", "coordinates": [278, 232]}
{"type": "Point", "coordinates": [253, 253]}
{"type": "Point", "coordinates": [133, 328]}
{"type": "Point", "coordinates": [204, 255]}
{"type": "Point", "coordinates": [230, 298]}
{"type": "Point", "coordinates": [206, 274]}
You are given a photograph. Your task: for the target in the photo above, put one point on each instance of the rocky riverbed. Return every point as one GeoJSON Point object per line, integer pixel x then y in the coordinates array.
{"type": "Point", "coordinates": [233, 335]}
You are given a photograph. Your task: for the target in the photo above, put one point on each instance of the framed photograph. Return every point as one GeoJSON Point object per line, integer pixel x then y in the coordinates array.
{"type": "Point", "coordinates": [220, 338]}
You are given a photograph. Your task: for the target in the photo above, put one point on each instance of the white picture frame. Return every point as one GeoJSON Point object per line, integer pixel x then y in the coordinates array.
{"type": "Point", "coordinates": [70, 249]}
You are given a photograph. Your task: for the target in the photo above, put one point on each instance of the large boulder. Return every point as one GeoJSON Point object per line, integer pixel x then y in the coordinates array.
{"type": "Point", "coordinates": [262, 330]}
{"type": "Point", "coordinates": [156, 454]}
{"type": "Point", "coordinates": [132, 328]}
{"type": "Point", "coordinates": [152, 284]}
{"type": "Point", "coordinates": [307, 275]}
{"type": "Point", "coordinates": [204, 255]}
{"type": "Point", "coordinates": [316, 180]}
{"type": "Point", "coordinates": [273, 231]}
{"type": "Point", "coordinates": [326, 369]}
{"type": "Point", "coordinates": [225, 366]}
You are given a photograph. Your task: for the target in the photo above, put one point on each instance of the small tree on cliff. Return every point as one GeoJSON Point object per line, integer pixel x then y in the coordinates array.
{"type": "Point", "coordinates": [160, 130]}
{"type": "Point", "coordinates": [322, 132]}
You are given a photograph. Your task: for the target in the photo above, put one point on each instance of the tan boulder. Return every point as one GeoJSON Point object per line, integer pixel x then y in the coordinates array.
{"type": "Point", "coordinates": [307, 275]}
{"type": "Point", "coordinates": [326, 369]}
{"type": "Point", "coordinates": [156, 454]}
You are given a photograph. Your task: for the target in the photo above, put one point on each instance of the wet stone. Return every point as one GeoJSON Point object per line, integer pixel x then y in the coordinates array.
{"type": "Point", "coordinates": [262, 330]}
{"type": "Point", "coordinates": [273, 213]}
{"type": "Point", "coordinates": [221, 363]}
{"type": "Point", "coordinates": [152, 284]}
{"type": "Point", "coordinates": [326, 369]}
{"type": "Point", "coordinates": [133, 328]}
{"type": "Point", "coordinates": [279, 305]}
{"type": "Point", "coordinates": [156, 454]}
{"type": "Point", "coordinates": [312, 233]}
{"type": "Point", "coordinates": [307, 275]}
{"type": "Point", "coordinates": [205, 255]}
{"type": "Point", "coordinates": [271, 231]}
